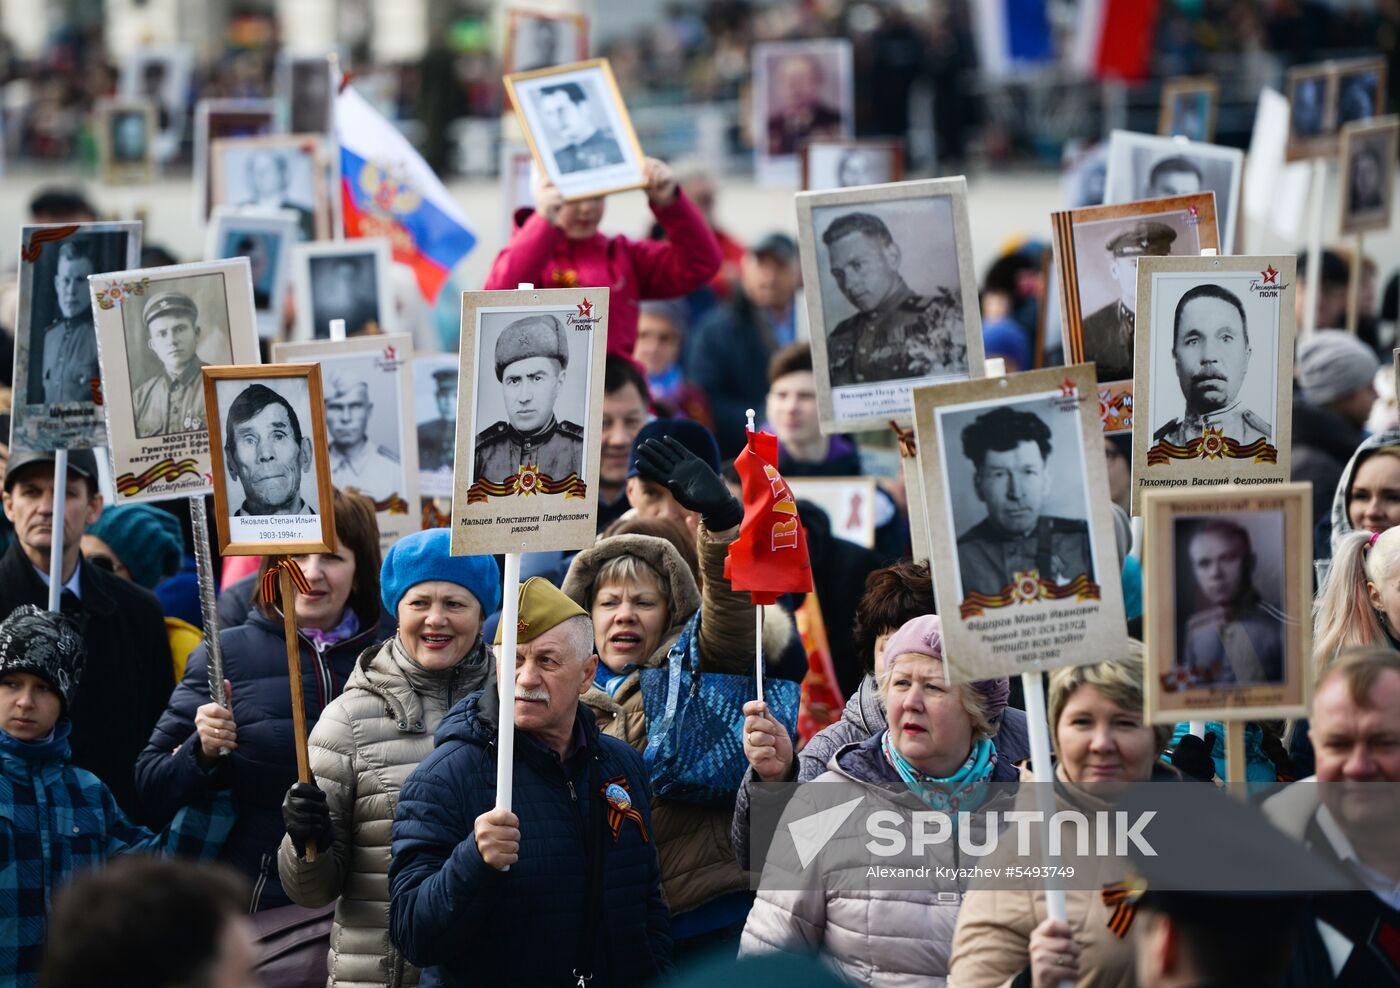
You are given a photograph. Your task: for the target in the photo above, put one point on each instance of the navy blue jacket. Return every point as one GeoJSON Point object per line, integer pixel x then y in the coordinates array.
{"type": "Point", "coordinates": [467, 923]}
{"type": "Point", "coordinates": [264, 765]}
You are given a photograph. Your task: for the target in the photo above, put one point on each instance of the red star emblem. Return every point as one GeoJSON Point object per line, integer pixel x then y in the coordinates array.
{"type": "Point", "coordinates": [391, 353]}
{"type": "Point", "coordinates": [585, 309]}
{"type": "Point", "coordinates": [1270, 275]}
{"type": "Point", "coordinates": [1068, 389]}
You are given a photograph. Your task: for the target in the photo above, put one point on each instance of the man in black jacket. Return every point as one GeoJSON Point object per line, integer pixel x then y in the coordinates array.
{"type": "Point", "coordinates": [128, 677]}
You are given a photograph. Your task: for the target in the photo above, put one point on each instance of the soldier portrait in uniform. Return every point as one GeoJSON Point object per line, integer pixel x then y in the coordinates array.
{"type": "Point", "coordinates": [169, 398]}
{"type": "Point", "coordinates": [267, 241]}
{"type": "Point", "coordinates": [346, 279]}
{"type": "Point", "coordinates": [802, 91]}
{"type": "Point", "coordinates": [835, 164]}
{"type": "Point", "coordinates": [1142, 166]}
{"type": "Point", "coordinates": [1014, 463]}
{"type": "Point", "coordinates": [369, 465]}
{"type": "Point", "coordinates": [1368, 167]}
{"type": "Point", "coordinates": [541, 41]}
{"type": "Point", "coordinates": [435, 415]}
{"type": "Point", "coordinates": [887, 295]}
{"type": "Point", "coordinates": [273, 173]}
{"type": "Point", "coordinates": [1188, 108]}
{"type": "Point", "coordinates": [1108, 331]}
{"type": "Point", "coordinates": [578, 128]}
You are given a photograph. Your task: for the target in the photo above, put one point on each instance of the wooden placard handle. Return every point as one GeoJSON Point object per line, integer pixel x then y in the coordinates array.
{"type": "Point", "coordinates": [289, 621]}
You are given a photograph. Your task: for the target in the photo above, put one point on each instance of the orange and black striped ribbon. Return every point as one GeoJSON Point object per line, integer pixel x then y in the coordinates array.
{"type": "Point", "coordinates": [270, 590]}
{"type": "Point", "coordinates": [1122, 897]}
{"type": "Point", "coordinates": [48, 236]}
{"type": "Point", "coordinates": [905, 438]}
{"type": "Point", "coordinates": [517, 484]}
{"type": "Point", "coordinates": [1081, 588]}
{"type": "Point", "coordinates": [1260, 451]}
{"type": "Point", "coordinates": [168, 470]}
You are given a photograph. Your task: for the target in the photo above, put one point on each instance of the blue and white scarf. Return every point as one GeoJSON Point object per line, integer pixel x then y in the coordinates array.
{"type": "Point", "coordinates": [964, 790]}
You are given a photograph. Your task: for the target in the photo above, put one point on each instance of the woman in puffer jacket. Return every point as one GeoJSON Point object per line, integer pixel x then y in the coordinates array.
{"type": "Point", "coordinates": [371, 738]}
{"type": "Point", "coordinates": [644, 602]}
{"type": "Point", "coordinates": [937, 753]}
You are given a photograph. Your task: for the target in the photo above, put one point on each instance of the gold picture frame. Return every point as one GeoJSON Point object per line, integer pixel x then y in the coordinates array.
{"type": "Point", "coordinates": [516, 16]}
{"type": "Point", "coordinates": [1173, 90]}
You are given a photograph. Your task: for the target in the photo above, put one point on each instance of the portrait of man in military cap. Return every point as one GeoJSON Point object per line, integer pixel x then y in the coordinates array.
{"type": "Point", "coordinates": [896, 333]}
{"type": "Point", "coordinates": [1145, 167]}
{"type": "Point", "coordinates": [266, 450]}
{"type": "Point", "coordinates": [1108, 332]}
{"type": "Point", "coordinates": [171, 399]}
{"type": "Point", "coordinates": [574, 130]}
{"type": "Point", "coordinates": [437, 435]}
{"type": "Point", "coordinates": [1211, 352]}
{"type": "Point", "coordinates": [531, 359]}
{"type": "Point", "coordinates": [1013, 457]}
{"type": "Point", "coordinates": [357, 460]}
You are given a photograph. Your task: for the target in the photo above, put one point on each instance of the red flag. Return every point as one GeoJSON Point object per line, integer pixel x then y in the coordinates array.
{"type": "Point", "coordinates": [769, 558]}
{"type": "Point", "coordinates": [821, 703]}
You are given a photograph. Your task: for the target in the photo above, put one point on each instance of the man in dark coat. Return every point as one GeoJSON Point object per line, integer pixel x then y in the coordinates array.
{"type": "Point", "coordinates": [128, 676]}
{"type": "Point", "coordinates": [582, 896]}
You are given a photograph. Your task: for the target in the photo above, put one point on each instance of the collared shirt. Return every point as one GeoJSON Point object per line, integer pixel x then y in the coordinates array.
{"type": "Point", "coordinates": [906, 335]}
{"type": "Point", "coordinates": [1387, 889]}
{"type": "Point", "coordinates": [70, 359]}
{"type": "Point", "coordinates": [300, 508]}
{"type": "Point", "coordinates": [371, 469]}
{"type": "Point", "coordinates": [556, 449]}
{"type": "Point", "coordinates": [71, 585]}
{"type": "Point", "coordinates": [164, 406]}
{"type": "Point", "coordinates": [1234, 422]}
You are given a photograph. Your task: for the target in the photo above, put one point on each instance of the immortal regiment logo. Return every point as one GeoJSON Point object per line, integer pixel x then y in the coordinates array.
{"type": "Point", "coordinates": [1267, 284]}
{"type": "Point", "coordinates": [388, 360]}
{"type": "Point", "coordinates": [117, 292]}
{"type": "Point", "coordinates": [584, 320]}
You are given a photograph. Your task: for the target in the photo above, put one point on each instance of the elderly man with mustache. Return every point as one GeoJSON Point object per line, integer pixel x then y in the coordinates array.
{"type": "Point", "coordinates": [1210, 345]}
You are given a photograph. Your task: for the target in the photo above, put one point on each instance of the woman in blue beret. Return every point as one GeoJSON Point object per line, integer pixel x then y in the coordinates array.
{"type": "Point", "coordinates": [373, 736]}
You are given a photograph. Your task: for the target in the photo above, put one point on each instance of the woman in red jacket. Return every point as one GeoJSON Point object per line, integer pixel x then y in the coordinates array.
{"type": "Point", "coordinates": [559, 246]}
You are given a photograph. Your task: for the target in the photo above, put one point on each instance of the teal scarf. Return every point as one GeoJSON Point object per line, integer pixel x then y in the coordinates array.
{"type": "Point", "coordinates": [965, 790]}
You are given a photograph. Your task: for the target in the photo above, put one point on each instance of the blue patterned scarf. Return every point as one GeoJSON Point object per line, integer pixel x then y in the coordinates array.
{"type": "Point", "coordinates": [965, 790]}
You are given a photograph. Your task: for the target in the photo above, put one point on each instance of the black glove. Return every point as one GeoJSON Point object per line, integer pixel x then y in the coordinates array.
{"type": "Point", "coordinates": [306, 816]}
{"type": "Point", "coordinates": [691, 482]}
{"type": "Point", "coordinates": [1192, 756]}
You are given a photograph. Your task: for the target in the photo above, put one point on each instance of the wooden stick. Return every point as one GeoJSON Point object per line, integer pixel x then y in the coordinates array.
{"type": "Point", "coordinates": [1354, 287]}
{"type": "Point", "coordinates": [1234, 752]}
{"type": "Point", "coordinates": [289, 623]}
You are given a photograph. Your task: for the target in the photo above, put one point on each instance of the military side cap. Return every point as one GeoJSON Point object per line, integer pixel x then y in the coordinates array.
{"type": "Point", "coordinates": [533, 336]}
{"type": "Point", "coordinates": [542, 606]}
{"type": "Point", "coordinates": [169, 304]}
{"type": "Point", "coordinates": [1147, 237]}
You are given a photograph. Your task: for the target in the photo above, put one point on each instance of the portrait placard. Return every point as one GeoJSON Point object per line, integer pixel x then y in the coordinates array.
{"type": "Point", "coordinates": [126, 138]}
{"type": "Point", "coordinates": [1227, 586]}
{"type": "Point", "coordinates": [372, 445]}
{"type": "Point", "coordinates": [530, 424]}
{"type": "Point", "coordinates": [828, 164]}
{"type": "Point", "coordinates": [1015, 491]}
{"type": "Point", "coordinates": [162, 75]}
{"type": "Point", "coordinates": [218, 119]}
{"type": "Point", "coordinates": [266, 239]}
{"type": "Point", "coordinates": [1324, 97]}
{"type": "Point", "coordinates": [1188, 108]}
{"type": "Point", "coordinates": [578, 128]}
{"type": "Point", "coordinates": [1368, 170]}
{"type": "Point", "coordinates": [342, 279]}
{"type": "Point", "coordinates": [1143, 166]}
{"type": "Point", "coordinates": [306, 87]}
{"type": "Point", "coordinates": [157, 329]}
{"type": "Point", "coordinates": [1212, 395]}
{"type": "Point", "coordinates": [271, 472]}
{"type": "Point", "coordinates": [1096, 254]}
{"type": "Point", "coordinates": [57, 376]}
{"type": "Point", "coordinates": [537, 40]}
{"type": "Point", "coordinates": [891, 297]}
{"type": "Point", "coordinates": [849, 504]}
{"type": "Point", "coordinates": [802, 90]}
{"type": "Point", "coordinates": [912, 468]}
{"type": "Point", "coordinates": [274, 173]}
{"type": "Point", "coordinates": [435, 414]}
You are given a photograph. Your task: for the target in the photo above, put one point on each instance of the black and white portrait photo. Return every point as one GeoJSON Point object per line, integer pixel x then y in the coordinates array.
{"type": "Point", "coordinates": [267, 241]}
{"type": "Point", "coordinates": [126, 135]}
{"type": "Point", "coordinates": [276, 174]}
{"type": "Point", "coordinates": [1148, 167]}
{"type": "Point", "coordinates": [342, 280]}
{"type": "Point", "coordinates": [179, 327]}
{"type": "Point", "coordinates": [529, 415]}
{"type": "Point", "coordinates": [162, 76]}
{"type": "Point", "coordinates": [1017, 491]}
{"type": "Point", "coordinates": [1307, 101]}
{"type": "Point", "coordinates": [803, 91]}
{"type": "Point", "coordinates": [1082, 183]}
{"type": "Point", "coordinates": [1359, 95]}
{"type": "Point", "coordinates": [540, 41]}
{"type": "Point", "coordinates": [226, 120]}
{"type": "Point", "coordinates": [129, 136]}
{"type": "Point", "coordinates": [1188, 109]}
{"type": "Point", "coordinates": [1230, 591]}
{"type": "Point", "coordinates": [578, 128]}
{"type": "Point", "coordinates": [435, 379]}
{"type": "Point", "coordinates": [1368, 174]}
{"type": "Point", "coordinates": [847, 164]}
{"type": "Point", "coordinates": [309, 84]}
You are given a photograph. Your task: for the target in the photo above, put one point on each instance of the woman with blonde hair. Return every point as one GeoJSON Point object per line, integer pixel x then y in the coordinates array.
{"type": "Point", "coordinates": [1367, 498]}
{"type": "Point", "coordinates": [1359, 604]}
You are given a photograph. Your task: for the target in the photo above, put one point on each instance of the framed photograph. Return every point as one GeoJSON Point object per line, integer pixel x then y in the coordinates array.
{"type": "Point", "coordinates": [306, 86]}
{"type": "Point", "coordinates": [272, 173]}
{"type": "Point", "coordinates": [161, 75]}
{"type": "Point", "coordinates": [536, 40]}
{"type": "Point", "coordinates": [222, 119]}
{"type": "Point", "coordinates": [266, 239]}
{"type": "Point", "coordinates": [157, 329]}
{"type": "Point", "coordinates": [847, 164]}
{"type": "Point", "coordinates": [435, 378]}
{"type": "Point", "coordinates": [530, 424]}
{"type": "Point", "coordinates": [1360, 90]}
{"type": "Point", "coordinates": [849, 503]}
{"type": "Point", "coordinates": [1188, 108]}
{"type": "Point", "coordinates": [891, 297]}
{"type": "Point", "coordinates": [1082, 176]}
{"type": "Point", "coordinates": [517, 170]}
{"type": "Point", "coordinates": [57, 375]}
{"type": "Point", "coordinates": [578, 128]}
{"type": "Point", "coordinates": [802, 91]}
{"type": "Point", "coordinates": [1096, 255]}
{"type": "Point", "coordinates": [271, 472]}
{"type": "Point", "coordinates": [368, 384]}
{"type": "Point", "coordinates": [1142, 166]}
{"type": "Point", "coordinates": [343, 279]}
{"type": "Point", "coordinates": [1016, 497]}
{"type": "Point", "coordinates": [126, 141]}
{"type": "Point", "coordinates": [1322, 98]}
{"type": "Point", "coordinates": [1227, 588]}
{"type": "Point", "coordinates": [1213, 394]}
{"type": "Point", "coordinates": [1368, 170]}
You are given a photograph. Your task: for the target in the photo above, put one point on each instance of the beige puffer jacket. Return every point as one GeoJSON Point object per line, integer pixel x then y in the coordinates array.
{"type": "Point", "coordinates": [692, 841]}
{"type": "Point", "coordinates": [367, 742]}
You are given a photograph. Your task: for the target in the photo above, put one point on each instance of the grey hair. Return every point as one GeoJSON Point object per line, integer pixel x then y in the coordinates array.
{"type": "Point", "coordinates": [577, 635]}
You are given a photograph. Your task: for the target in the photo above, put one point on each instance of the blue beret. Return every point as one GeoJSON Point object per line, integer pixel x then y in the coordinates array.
{"type": "Point", "coordinates": [425, 556]}
{"type": "Point", "coordinates": [692, 435]}
{"type": "Point", "coordinates": [146, 539]}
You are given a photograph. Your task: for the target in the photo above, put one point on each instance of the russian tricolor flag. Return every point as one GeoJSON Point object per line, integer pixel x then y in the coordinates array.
{"type": "Point", "coordinates": [1013, 36]}
{"type": "Point", "coordinates": [1113, 38]}
{"type": "Point", "coordinates": [388, 190]}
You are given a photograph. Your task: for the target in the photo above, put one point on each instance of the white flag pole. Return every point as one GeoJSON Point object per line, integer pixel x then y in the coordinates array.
{"type": "Point", "coordinates": [757, 615]}
{"type": "Point", "coordinates": [60, 497]}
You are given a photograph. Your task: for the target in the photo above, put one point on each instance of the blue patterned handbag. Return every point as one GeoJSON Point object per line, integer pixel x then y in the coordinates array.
{"type": "Point", "coordinates": [695, 723]}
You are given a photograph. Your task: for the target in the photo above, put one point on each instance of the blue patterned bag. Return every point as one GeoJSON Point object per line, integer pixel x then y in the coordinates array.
{"type": "Point", "coordinates": [695, 723]}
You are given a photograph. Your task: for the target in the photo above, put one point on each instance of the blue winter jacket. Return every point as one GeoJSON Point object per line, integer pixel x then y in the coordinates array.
{"type": "Point", "coordinates": [264, 765]}
{"type": "Point", "coordinates": [467, 923]}
{"type": "Point", "coordinates": [57, 820]}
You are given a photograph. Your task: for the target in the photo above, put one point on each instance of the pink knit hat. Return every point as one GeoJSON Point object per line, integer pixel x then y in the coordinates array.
{"type": "Point", "coordinates": [924, 636]}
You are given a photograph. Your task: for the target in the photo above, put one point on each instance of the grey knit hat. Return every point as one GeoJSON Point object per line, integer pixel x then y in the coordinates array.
{"type": "Point", "coordinates": [43, 643]}
{"type": "Point", "coordinates": [1333, 364]}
